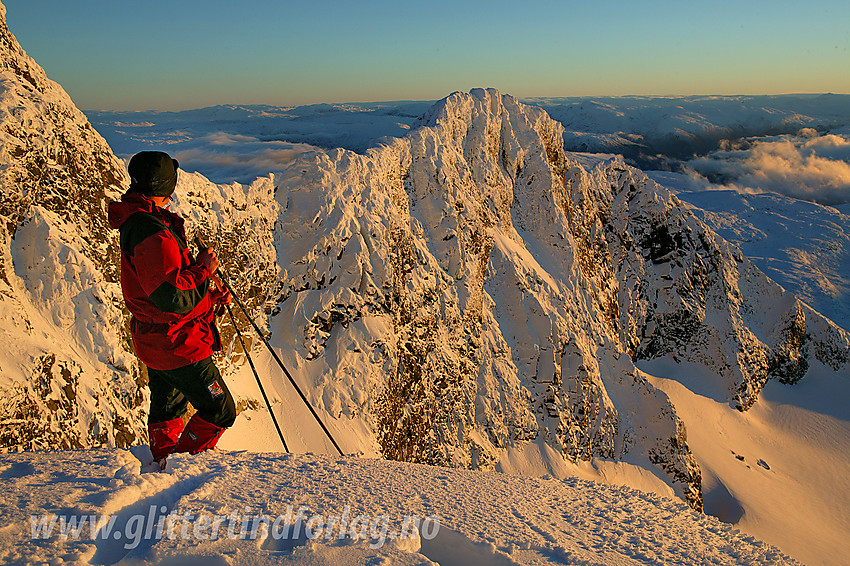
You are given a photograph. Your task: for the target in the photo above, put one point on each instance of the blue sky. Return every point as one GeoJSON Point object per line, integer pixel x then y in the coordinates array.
{"type": "Point", "coordinates": [156, 55]}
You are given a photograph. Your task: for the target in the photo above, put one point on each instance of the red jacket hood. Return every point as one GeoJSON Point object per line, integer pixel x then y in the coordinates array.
{"type": "Point", "coordinates": [130, 204]}
{"type": "Point", "coordinates": [120, 211]}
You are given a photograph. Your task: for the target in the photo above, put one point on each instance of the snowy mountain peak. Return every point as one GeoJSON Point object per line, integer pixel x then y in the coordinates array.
{"type": "Point", "coordinates": [489, 290]}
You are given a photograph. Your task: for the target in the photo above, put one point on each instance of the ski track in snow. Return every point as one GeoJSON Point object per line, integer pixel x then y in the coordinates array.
{"type": "Point", "coordinates": [484, 517]}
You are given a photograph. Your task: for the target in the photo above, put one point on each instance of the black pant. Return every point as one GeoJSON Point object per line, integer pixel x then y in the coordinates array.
{"type": "Point", "coordinates": [199, 383]}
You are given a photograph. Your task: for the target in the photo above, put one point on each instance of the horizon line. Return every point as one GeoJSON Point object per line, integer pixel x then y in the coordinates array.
{"type": "Point", "coordinates": [520, 98]}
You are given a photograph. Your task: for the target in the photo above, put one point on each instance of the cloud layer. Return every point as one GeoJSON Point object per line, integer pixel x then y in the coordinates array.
{"type": "Point", "coordinates": [807, 166]}
{"type": "Point", "coordinates": [241, 143]}
{"type": "Point", "coordinates": [224, 157]}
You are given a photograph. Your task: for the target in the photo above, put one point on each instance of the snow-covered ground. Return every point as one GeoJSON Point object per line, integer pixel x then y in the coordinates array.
{"type": "Point", "coordinates": [793, 442]}
{"type": "Point", "coordinates": [209, 509]}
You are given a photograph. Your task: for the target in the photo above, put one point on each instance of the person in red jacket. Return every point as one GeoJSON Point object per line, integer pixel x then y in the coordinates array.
{"type": "Point", "coordinates": [168, 293]}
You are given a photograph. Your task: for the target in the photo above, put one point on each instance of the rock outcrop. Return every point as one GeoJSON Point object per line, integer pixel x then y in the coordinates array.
{"type": "Point", "coordinates": [67, 376]}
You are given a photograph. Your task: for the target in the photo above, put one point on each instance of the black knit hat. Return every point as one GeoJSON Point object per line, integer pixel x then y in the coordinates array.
{"type": "Point", "coordinates": [153, 173]}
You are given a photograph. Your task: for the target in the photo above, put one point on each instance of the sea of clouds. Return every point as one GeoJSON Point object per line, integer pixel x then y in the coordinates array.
{"type": "Point", "coordinates": [807, 166]}
{"type": "Point", "coordinates": [240, 143]}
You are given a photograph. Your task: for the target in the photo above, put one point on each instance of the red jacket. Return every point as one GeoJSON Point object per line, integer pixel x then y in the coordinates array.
{"type": "Point", "coordinates": [173, 322]}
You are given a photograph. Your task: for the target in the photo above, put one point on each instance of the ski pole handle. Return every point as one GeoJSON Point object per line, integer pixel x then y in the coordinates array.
{"type": "Point", "coordinates": [216, 278]}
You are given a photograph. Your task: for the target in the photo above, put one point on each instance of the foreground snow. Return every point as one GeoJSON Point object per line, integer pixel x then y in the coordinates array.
{"type": "Point", "coordinates": [464, 517]}
{"type": "Point", "coordinates": [776, 472]}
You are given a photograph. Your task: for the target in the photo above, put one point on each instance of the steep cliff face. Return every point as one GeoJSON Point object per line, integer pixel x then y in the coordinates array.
{"type": "Point", "coordinates": [680, 290]}
{"type": "Point", "coordinates": [66, 376]}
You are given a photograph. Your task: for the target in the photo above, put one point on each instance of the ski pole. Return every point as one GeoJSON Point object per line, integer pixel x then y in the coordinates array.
{"type": "Point", "coordinates": [256, 375]}
{"type": "Point", "coordinates": [251, 363]}
{"type": "Point", "coordinates": [274, 354]}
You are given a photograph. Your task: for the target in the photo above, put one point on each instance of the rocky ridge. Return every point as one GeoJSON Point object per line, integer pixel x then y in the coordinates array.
{"type": "Point", "coordinates": [68, 378]}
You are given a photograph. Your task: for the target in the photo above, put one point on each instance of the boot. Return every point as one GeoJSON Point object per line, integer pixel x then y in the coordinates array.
{"type": "Point", "coordinates": [198, 436]}
{"type": "Point", "coordinates": [163, 437]}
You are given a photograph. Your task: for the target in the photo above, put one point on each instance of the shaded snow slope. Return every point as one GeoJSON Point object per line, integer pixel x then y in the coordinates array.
{"type": "Point", "coordinates": [468, 518]}
{"type": "Point", "coordinates": [777, 471]}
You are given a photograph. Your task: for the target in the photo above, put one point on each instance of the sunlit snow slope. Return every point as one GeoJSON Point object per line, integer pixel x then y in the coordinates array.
{"type": "Point", "coordinates": [474, 518]}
